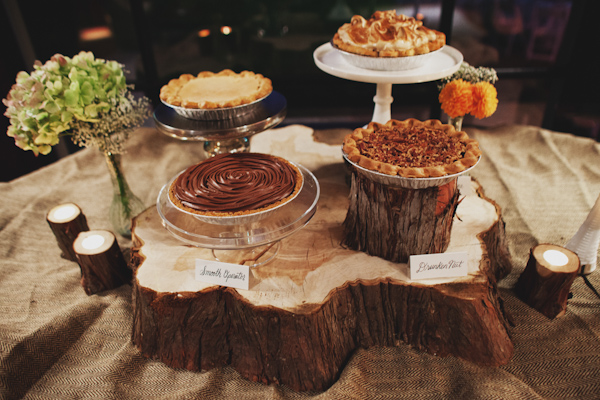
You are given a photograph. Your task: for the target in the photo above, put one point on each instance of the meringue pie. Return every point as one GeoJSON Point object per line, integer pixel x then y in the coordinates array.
{"type": "Point", "coordinates": [209, 90]}
{"type": "Point", "coordinates": [412, 148]}
{"type": "Point", "coordinates": [387, 34]}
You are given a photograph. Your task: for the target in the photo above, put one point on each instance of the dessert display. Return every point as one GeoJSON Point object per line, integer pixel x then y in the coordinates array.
{"type": "Point", "coordinates": [235, 185]}
{"type": "Point", "coordinates": [412, 148]}
{"type": "Point", "coordinates": [210, 95]}
{"type": "Point", "coordinates": [387, 34]}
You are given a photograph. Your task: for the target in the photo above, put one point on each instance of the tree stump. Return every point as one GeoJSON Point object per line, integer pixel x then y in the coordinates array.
{"type": "Point", "coordinates": [66, 222]}
{"type": "Point", "coordinates": [102, 264]}
{"type": "Point", "coordinates": [310, 308]}
{"type": "Point", "coordinates": [546, 281]}
{"type": "Point", "coordinates": [396, 222]}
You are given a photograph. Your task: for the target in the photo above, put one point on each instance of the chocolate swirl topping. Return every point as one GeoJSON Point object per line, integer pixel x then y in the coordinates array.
{"type": "Point", "coordinates": [229, 183]}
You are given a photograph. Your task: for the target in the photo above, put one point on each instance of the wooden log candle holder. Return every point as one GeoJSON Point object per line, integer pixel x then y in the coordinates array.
{"type": "Point", "coordinates": [102, 264]}
{"type": "Point", "coordinates": [66, 222]}
{"type": "Point", "coordinates": [546, 281]}
{"type": "Point", "coordinates": [395, 222]}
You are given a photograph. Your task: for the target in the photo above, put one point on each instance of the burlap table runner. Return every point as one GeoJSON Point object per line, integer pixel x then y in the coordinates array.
{"type": "Point", "coordinates": [58, 343]}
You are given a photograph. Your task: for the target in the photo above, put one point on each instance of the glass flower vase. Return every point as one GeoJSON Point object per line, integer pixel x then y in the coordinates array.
{"type": "Point", "coordinates": [456, 122]}
{"type": "Point", "coordinates": [125, 205]}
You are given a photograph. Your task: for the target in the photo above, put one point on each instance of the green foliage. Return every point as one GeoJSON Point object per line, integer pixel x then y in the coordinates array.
{"type": "Point", "coordinates": [65, 95]}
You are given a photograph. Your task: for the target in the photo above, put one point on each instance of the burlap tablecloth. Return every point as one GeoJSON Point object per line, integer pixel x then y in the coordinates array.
{"type": "Point", "coordinates": [58, 343]}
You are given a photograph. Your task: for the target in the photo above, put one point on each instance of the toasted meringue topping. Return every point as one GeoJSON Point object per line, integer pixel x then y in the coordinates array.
{"type": "Point", "coordinates": [387, 34]}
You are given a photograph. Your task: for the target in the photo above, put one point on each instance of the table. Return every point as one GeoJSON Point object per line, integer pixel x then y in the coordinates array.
{"type": "Point", "coordinates": [57, 342]}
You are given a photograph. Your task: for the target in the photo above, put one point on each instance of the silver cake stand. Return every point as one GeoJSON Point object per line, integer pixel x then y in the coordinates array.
{"type": "Point", "coordinates": [441, 64]}
{"type": "Point", "coordinates": [246, 239]}
{"type": "Point", "coordinates": [226, 135]}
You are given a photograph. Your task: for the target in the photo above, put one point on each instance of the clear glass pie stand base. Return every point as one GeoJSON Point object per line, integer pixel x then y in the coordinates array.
{"type": "Point", "coordinates": [441, 64]}
{"type": "Point", "coordinates": [226, 135]}
{"type": "Point", "coordinates": [253, 238]}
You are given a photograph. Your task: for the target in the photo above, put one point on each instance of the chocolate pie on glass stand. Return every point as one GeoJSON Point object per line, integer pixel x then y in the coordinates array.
{"type": "Point", "coordinates": [387, 41]}
{"type": "Point", "coordinates": [212, 95]}
{"type": "Point", "coordinates": [412, 148]}
{"type": "Point", "coordinates": [235, 185]}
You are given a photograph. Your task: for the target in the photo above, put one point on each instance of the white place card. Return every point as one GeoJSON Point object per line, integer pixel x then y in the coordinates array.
{"type": "Point", "coordinates": [440, 265]}
{"type": "Point", "coordinates": [224, 274]}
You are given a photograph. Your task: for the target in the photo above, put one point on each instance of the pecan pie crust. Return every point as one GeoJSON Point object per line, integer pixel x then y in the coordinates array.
{"type": "Point", "coordinates": [209, 90]}
{"type": "Point", "coordinates": [412, 148]}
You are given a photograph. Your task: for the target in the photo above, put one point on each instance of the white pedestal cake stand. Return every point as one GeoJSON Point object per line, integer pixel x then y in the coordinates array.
{"type": "Point", "coordinates": [441, 64]}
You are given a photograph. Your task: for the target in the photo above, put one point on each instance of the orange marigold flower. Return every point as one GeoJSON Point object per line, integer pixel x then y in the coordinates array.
{"type": "Point", "coordinates": [485, 100]}
{"type": "Point", "coordinates": [456, 98]}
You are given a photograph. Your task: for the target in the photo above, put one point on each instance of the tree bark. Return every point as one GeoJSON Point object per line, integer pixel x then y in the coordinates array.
{"type": "Point", "coordinates": [395, 223]}
{"type": "Point", "coordinates": [544, 285]}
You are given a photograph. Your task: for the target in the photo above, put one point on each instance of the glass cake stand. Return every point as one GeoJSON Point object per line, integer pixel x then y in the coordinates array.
{"type": "Point", "coordinates": [247, 238]}
{"type": "Point", "coordinates": [441, 64]}
{"type": "Point", "coordinates": [225, 135]}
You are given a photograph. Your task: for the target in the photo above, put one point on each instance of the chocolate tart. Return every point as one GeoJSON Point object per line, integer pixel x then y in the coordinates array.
{"type": "Point", "coordinates": [235, 185]}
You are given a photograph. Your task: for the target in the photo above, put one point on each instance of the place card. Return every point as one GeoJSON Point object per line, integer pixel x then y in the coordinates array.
{"type": "Point", "coordinates": [224, 274]}
{"type": "Point", "coordinates": [439, 265]}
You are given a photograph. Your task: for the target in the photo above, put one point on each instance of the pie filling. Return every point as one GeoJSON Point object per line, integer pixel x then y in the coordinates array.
{"type": "Point", "coordinates": [209, 90]}
{"type": "Point", "coordinates": [236, 184]}
{"type": "Point", "coordinates": [412, 148]}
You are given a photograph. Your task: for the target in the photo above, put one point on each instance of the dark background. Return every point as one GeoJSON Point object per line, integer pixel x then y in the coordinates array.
{"type": "Point", "coordinates": [158, 40]}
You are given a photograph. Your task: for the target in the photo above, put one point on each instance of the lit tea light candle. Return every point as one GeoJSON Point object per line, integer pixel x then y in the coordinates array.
{"type": "Point", "coordinates": [64, 212]}
{"type": "Point", "coordinates": [556, 257]}
{"type": "Point", "coordinates": [546, 281]}
{"type": "Point", "coordinates": [92, 242]}
{"type": "Point", "coordinates": [102, 263]}
{"type": "Point", "coordinates": [66, 221]}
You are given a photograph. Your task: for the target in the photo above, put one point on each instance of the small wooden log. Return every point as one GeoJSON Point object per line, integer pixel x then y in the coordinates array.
{"type": "Point", "coordinates": [546, 281]}
{"type": "Point", "coordinates": [67, 221]}
{"type": "Point", "coordinates": [394, 222]}
{"type": "Point", "coordinates": [103, 266]}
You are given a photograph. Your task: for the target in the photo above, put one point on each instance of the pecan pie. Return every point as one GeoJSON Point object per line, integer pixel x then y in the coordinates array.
{"type": "Point", "coordinates": [412, 148]}
{"type": "Point", "coordinates": [387, 34]}
{"type": "Point", "coordinates": [209, 90]}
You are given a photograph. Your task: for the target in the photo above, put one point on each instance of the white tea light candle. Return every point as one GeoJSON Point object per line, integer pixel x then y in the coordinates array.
{"type": "Point", "coordinates": [556, 257]}
{"type": "Point", "coordinates": [92, 242]}
{"type": "Point", "coordinates": [63, 212]}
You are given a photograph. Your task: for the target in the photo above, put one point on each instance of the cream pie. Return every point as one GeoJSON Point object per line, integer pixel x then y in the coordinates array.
{"type": "Point", "coordinates": [412, 148]}
{"type": "Point", "coordinates": [209, 90]}
{"type": "Point", "coordinates": [387, 34]}
{"type": "Point", "coordinates": [236, 184]}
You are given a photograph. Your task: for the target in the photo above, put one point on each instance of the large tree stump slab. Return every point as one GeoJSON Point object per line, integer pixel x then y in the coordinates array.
{"type": "Point", "coordinates": [310, 308]}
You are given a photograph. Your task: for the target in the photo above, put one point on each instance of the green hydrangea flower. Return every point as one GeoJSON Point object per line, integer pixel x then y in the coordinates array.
{"type": "Point", "coordinates": [65, 94]}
